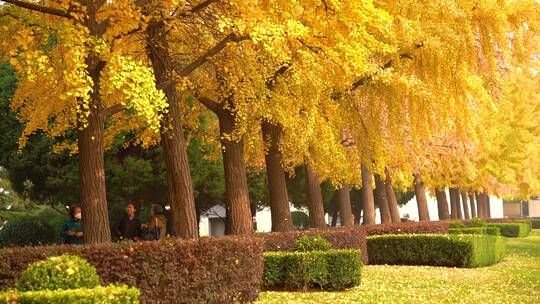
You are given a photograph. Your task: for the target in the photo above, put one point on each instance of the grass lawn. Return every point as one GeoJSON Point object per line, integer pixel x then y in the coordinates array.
{"type": "Point", "coordinates": [515, 280]}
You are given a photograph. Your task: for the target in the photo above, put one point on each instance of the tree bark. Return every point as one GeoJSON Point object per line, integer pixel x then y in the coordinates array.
{"type": "Point", "coordinates": [92, 164]}
{"type": "Point", "coordinates": [334, 208]}
{"type": "Point", "coordinates": [236, 186]}
{"type": "Point", "coordinates": [314, 199]}
{"type": "Point", "coordinates": [488, 206]}
{"type": "Point", "coordinates": [421, 200]}
{"type": "Point", "coordinates": [345, 209]}
{"type": "Point", "coordinates": [368, 203]}
{"type": "Point", "coordinates": [454, 202]}
{"type": "Point", "coordinates": [357, 211]}
{"type": "Point", "coordinates": [277, 187]}
{"type": "Point", "coordinates": [92, 181]}
{"type": "Point", "coordinates": [480, 204]}
{"type": "Point", "coordinates": [473, 205]}
{"type": "Point", "coordinates": [442, 204]}
{"type": "Point", "coordinates": [382, 200]}
{"type": "Point", "coordinates": [181, 197]}
{"type": "Point", "coordinates": [392, 200]}
{"type": "Point", "coordinates": [465, 205]}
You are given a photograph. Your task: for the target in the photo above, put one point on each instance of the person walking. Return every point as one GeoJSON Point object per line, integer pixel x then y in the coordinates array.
{"type": "Point", "coordinates": [72, 230]}
{"type": "Point", "coordinates": [129, 226]}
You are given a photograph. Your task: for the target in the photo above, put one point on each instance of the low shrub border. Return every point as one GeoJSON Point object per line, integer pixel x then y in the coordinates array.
{"type": "Point", "coordinates": [339, 237]}
{"type": "Point", "coordinates": [535, 223]}
{"type": "Point", "coordinates": [436, 250]}
{"type": "Point", "coordinates": [475, 230]}
{"type": "Point", "coordinates": [514, 229]}
{"type": "Point", "coordinates": [209, 270]}
{"type": "Point", "coordinates": [331, 269]}
{"type": "Point", "coordinates": [438, 227]}
{"type": "Point", "coordinates": [101, 295]}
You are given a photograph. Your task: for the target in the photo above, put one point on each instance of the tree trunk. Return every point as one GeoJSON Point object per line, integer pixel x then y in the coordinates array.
{"type": "Point", "coordinates": [95, 214]}
{"type": "Point", "coordinates": [314, 199]}
{"type": "Point", "coordinates": [181, 197]}
{"type": "Point", "coordinates": [277, 187]}
{"type": "Point", "coordinates": [488, 206]}
{"type": "Point", "coordinates": [454, 202]}
{"type": "Point", "coordinates": [421, 200]}
{"type": "Point", "coordinates": [392, 200]}
{"type": "Point", "coordinates": [465, 205]}
{"type": "Point", "coordinates": [345, 209]}
{"type": "Point", "coordinates": [357, 211]}
{"type": "Point", "coordinates": [442, 204]}
{"type": "Point", "coordinates": [480, 205]}
{"type": "Point", "coordinates": [92, 178]}
{"type": "Point", "coordinates": [381, 199]}
{"type": "Point", "coordinates": [236, 186]}
{"type": "Point", "coordinates": [368, 203]}
{"type": "Point", "coordinates": [473, 205]}
{"type": "Point", "coordinates": [458, 205]}
{"type": "Point", "coordinates": [335, 209]}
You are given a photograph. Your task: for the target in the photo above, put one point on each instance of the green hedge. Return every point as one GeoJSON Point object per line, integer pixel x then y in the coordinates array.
{"type": "Point", "coordinates": [535, 223]}
{"type": "Point", "coordinates": [102, 295]}
{"type": "Point", "coordinates": [515, 229]}
{"type": "Point", "coordinates": [436, 250]}
{"type": "Point", "coordinates": [332, 269]}
{"type": "Point", "coordinates": [475, 230]}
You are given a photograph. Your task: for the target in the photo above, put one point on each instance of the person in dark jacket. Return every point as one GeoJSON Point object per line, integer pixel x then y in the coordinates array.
{"type": "Point", "coordinates": [72, 230]}
{"type": "Point", "coordinates": [129, 227]}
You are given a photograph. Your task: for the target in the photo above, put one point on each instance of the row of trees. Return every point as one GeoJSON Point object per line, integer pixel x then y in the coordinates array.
{"type": "Point", "coordinates": [360, 93]}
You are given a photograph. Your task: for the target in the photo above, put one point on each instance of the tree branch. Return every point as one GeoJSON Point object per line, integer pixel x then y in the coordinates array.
{"type": "Point", "coordinates": [110, 111]}
{"type": "Point", "coordinates": [40, 8]}
{"type": "Point", "coordinates": [197, 8]}
{"type": "Point", "coordinates": [271, 83]}
{"type": "Point", "coordinates": [211, 52]}
{"type": "Point", "coordinates": [362, 81]}
{"type": "Point", "coordinates": [209, 103]}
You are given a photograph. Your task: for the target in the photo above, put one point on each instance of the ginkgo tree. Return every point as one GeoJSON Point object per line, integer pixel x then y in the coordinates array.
{"type": "Point", "coordinates": [75, 68]}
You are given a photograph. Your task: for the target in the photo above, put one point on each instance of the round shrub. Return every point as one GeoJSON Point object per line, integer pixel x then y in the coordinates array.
{"type": "Point", "coordinates": [60, 272]}
{"type": "Point", "coordinates": [26, 231]}
{"type": "Point", "coordinates": [311, 243]}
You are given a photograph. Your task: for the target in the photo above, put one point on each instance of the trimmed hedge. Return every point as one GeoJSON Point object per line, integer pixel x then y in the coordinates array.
{"type": "Point", "coordinates": [27, 231]}
{"type": "Point", "coordinates": [475, 230]}
{"type": "Point", "coordinates": [332, 269]}
{"type": "Point", "coordinates": [436, 250]}
{"type": "Point", "coordinates": [515, 229]}
{"type": "Point", "coordinates": [100, 295]}
{"type": "Point", "coordinates": [339, 237]}
{"type": "Point", "coordinates": [209, 270]}
{"type": "Point", "coordinates": [437, 227]}
{"type": "Point", "coordinates": [535, 223]}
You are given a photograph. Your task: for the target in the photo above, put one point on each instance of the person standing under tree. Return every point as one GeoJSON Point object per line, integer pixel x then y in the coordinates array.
{"type": "Point", "coordinates": [129, 227]}
{"type": "Point", "coordinates": [157, 228]}
{"type": "Point", "coordinates": [72, 230]}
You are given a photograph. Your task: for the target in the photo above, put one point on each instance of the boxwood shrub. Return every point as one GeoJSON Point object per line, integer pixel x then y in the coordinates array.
{"type": "Point", "coordinates": [514, 229]}
{"type": "Point", "coordinates": [339, 238]}
{"type": "Point", "coordinates": [331, 269]}
{"type": "Point", "coordinates": [535, 223]}
{"type": "Point", "coordinates": [436, 250]}
{"type": "Point", "coordinates": [61, 272]}
{"type": "Point", "coordinates": [475, 230]}
{"type": "Point", "coordinates": [100, 295]}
